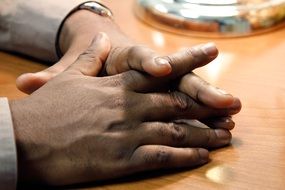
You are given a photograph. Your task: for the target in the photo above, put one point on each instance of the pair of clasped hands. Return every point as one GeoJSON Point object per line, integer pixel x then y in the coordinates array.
{"type": "Point", "coordinates": [116, 111]}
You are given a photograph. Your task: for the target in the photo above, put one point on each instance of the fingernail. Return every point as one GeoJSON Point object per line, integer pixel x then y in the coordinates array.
{"type": "Point", "coordinates": [210, 49]}
{"type": "Point", "coordinates": [161, 62]}
{"type": "Point", "coordinates": [227, 123]}
{"type": "Point", "coordinates": [223, 135]}
{"type": "Point", "coordinates": [228, 120]}
{"type": "Point", "coordinates": [204, 155]}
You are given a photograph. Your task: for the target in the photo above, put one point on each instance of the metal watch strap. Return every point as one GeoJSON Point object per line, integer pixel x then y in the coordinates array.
{"type": "Point", "coordinates": [92, 6]}
{"type": "Point", "coordinates": [97, 8]}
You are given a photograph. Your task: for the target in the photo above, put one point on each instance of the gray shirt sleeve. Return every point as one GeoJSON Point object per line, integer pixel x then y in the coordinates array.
{"type": "Point", "coordinates": [30, 27]}
{"type": "Point", "coordinates": [8, 156]}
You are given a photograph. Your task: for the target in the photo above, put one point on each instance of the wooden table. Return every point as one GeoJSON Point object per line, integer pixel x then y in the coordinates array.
{"type": "Point", "coordinates": [251, 68]}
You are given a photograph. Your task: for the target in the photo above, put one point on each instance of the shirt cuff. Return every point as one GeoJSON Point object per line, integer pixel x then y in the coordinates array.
{"type": "Point", "coordinates": [30, 27]}
{"type": "Point", "coordinates": [8, 154]}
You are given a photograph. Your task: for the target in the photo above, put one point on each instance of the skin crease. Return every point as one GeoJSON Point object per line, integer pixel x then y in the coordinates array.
{"type": "Point", "coordinates": [68, 131]}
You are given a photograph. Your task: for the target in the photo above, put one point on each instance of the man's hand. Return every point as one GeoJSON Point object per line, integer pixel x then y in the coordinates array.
{"type": "Point", "coordinates": [126, 55]}
{"type": "Point", "coordinates": [80, 128]}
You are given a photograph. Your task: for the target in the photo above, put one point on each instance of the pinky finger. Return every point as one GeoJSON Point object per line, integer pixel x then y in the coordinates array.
{"type": "Point", "coordinates": [153, 157]}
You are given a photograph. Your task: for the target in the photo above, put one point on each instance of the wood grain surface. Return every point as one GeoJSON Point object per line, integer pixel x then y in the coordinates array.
{"type": "Point", "coordinates": [252, 68]}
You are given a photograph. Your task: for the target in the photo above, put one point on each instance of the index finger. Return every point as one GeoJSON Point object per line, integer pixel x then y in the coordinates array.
{"type": "Point", "coordinates": [182, 62]}
{"type": "Point", "coordinates": [144, 59]}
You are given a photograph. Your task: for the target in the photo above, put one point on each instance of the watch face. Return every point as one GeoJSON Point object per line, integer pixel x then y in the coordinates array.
{"type": "Point", "coordinates": [209, 18]}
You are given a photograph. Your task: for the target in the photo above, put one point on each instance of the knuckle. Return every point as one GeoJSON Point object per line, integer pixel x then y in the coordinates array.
{"type": "Point", "coordinates": [162, 156]}
{"type": "Point", "coordinates": [89, 55]}
{"type": "Point", "coordinates": [112, 62]}
{"type": "Point", "coordinates": [196, 54]}
{"type": "Point", "coordinates": [181, 102]}
{"type": "Point", "coordinates": [161, 130]}
{"type": "Point", "coordinates": [132, 78]}
{"type": "Point", "coordinates": [138, 56]}
{"type": "Point", "coordinates": [192, 55]}
{"type": "Point", "coordinates": [172, 131]}
{"type": "Point", "coordinates": [135, 50]}
{"type": "Point", "coordinates": [202, 87]}
{"type": "Point", "coordinates": [159, 157]}
{"type": "Point", "coordinates": [178, 133]}
{"type": "Point", "coordinates": [172, 60]}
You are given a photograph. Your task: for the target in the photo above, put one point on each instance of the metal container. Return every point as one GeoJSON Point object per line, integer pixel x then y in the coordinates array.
{"type": "Point", "coordinates": [210, 18]}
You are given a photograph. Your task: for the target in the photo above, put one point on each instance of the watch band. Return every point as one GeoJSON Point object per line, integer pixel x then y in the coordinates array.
{"type": "Point", "coordinates": [97, 8]}
{"type": "Point", "coordinates": [93, 6]}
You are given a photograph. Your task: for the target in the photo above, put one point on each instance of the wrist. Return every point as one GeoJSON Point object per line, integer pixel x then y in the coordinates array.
{"type": "Point", "coordinates": [80, 28]}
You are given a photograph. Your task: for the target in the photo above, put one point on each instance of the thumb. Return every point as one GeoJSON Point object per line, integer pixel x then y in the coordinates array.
{"type": "Point", "coordinates": [90, 62]}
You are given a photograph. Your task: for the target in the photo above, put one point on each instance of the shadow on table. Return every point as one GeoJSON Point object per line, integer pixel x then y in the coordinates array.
{"type": "Point", "coordinates": [135, 178]}
{"type": "Point", "coordinates": [120, 181]}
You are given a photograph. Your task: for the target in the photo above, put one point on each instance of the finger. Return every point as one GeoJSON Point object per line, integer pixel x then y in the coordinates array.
{"type": "Point", "coordinates": [176, 105]}
{"type": "Point", "coordinates": [138, 58]}
{"type": "Point", "coordinates": [152, 157]}
{"type": "Point", "coordinates": [183, 135]}
{"type": "Point", "coordinates": [182, 63]}
{"type": "Point", "coordinates": [30, 82]}
{"type": "Point", "coordinates": [91, 61]}
{"type": "Point", "coordinates": [220, 123]}
{"type": "Point", "coordinates": [214, 123]}
{"type": "Point", "coordinates": [202, 91]}
{"type": "Point", "coordinates": [189, 59]}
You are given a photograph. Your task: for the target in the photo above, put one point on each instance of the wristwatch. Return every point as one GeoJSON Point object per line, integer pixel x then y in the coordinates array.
{"type": "Point", "coordinates": [95, 7]}
{"type": "Point", "coordinates": [92, 6]}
